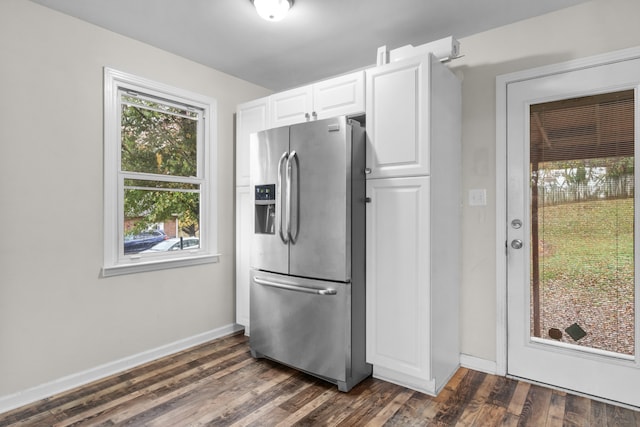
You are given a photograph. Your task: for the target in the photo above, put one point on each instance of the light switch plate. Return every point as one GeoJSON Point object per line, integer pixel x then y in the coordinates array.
{"type": "Point", "coordinates": [478, 197]}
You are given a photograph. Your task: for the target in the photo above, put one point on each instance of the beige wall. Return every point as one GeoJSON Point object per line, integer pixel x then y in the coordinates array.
{"type": "Point", "coordinates": [595, 27]}
{"type": "Point", "coordinates": [57, 316]}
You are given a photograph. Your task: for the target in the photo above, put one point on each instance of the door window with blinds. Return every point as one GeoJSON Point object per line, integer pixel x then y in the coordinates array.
{"type": "Point", "coordinates": [159, 185]}
{"type": "Point", "coordinates": [582, 222]}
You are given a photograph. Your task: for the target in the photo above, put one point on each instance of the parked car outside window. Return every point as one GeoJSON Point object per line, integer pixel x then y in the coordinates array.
{"type": "Point", "coordinates": [134, 243]}
{"type": "Point", "coordinates": [175, 244]}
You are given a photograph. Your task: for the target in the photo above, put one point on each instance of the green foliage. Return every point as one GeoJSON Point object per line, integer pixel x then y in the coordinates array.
{"type": "Point", "coordinates": [159, 139]}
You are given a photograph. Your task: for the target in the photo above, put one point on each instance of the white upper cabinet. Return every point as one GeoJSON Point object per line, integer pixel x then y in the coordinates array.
{"type": "Point", "coordinates": [291, 106]}
{"type": "Point", "coordinates": [398, 118]}
{"type": "Point", "coordinates": [251, 117]}
{"type": "Point", "coordinates": [338, 96]}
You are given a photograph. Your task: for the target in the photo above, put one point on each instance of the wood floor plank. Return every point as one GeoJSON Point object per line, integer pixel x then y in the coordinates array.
{"type": "Point", "coordinates": [171, 379]}
{"type": "Point", "coordinates": [555, 416]}
{"type": "Point", "coordinates": [518, 398]}
{"type": "Point", "coordinates": [389, 410]}
{"type": "Point", "coordinates": [188, 393]}
{"type": "Point", "coordinates": [334, 410]}
{"type": "Point", "coordinates": [381, 392]}
{"type": "Point", "coordinates": [577, 411]}
{"type": "Point", "coordinates": [415, 411]}
{"type": "Point", "coordinates": [503, 391]}
{"type": "Point", "coordinates": [219, 415]}
{"type": "Point", "coordinates": [510, 420]}
{"type": "Point", "coordinates": [477, 402]}
{"type": "Point", "coordinates": [293, 404]}
{"type": "Point", "coordinates": [271, 410]}
{"type": "Point", "coordinates": [617, 416]}
{"type": "Point", "coordinates": [536, 406]}
{"type": "Point", "coordinates": [256, 398]}
{"type": "Point", "coordinates": [306, 409]}
{"type": "Point", "coordinates": [165, 394]}
{"type": "Point", "coordinates": [220, 384]}
{"type": "Point", "coordinates": [145, 378]}
{"type": "Point", "coordinates": [445, 394]}
{"type": "Point", "coordinates": [451, 410]}
{"type": "Point", "coordinates": [489, 415]}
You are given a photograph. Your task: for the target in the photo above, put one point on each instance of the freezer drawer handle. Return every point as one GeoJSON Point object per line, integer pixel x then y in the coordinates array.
{"type": "Point", "coordinates": [295, 287]}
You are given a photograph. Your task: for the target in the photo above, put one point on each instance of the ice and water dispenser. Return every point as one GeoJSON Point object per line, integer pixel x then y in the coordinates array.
{"type": "Point", "coordinates": [265, 205]}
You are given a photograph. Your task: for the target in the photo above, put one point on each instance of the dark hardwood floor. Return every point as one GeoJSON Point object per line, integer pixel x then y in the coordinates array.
{"type": "Point", "coordinates": [219, 384]}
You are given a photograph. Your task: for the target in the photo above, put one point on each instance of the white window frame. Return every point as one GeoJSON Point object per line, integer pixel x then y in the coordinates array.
{"type": "Point", "coordinates": [115, 262]}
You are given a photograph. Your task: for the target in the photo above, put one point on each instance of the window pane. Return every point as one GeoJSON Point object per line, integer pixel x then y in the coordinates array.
{"type": "Point", "coordinates": [158, 138]}
{"type": "Point", "coordinates": [174, 212]}
{"type": "Point", "coordinates": [582, 221]}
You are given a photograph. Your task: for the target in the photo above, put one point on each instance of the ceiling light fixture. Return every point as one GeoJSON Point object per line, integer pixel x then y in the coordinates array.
{"type": "Point", "coordinates": [272, 10]}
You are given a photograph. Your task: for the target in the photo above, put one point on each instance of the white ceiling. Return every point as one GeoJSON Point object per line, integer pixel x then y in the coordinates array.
{"type": "Point", "coordinates": [318, 39]}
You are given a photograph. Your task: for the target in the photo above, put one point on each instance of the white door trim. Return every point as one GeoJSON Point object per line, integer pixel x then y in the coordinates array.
{"type": "Point", "coordinates": [502, 83]}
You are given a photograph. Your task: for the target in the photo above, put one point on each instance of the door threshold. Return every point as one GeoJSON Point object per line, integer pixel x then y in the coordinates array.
{"type": "Point", "coordinates": [577, 393]}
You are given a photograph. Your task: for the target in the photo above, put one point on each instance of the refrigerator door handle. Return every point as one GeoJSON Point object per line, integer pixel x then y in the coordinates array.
{"type": "Point", "coordinates": [295, 288]}
{"type": "Point", "coordinates": [284, 236]}
{"type": "Point", "coordinates": [292, 220]}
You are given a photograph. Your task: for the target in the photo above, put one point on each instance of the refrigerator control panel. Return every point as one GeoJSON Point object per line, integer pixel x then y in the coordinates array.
{"type": "Point", "coordinates": [265, 192]}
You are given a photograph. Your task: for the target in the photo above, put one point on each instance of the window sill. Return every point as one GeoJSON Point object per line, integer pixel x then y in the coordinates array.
{"type": "Point", "coordinates": [140, 267]}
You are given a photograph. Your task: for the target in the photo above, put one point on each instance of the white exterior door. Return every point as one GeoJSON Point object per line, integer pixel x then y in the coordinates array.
{"type": "Point", "coordinates": [572, 281]}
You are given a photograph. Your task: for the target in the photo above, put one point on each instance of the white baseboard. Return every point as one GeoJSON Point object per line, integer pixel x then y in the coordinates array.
{"type": "Point", "coordinates": [404, 380]}
{"type": "Point", "coordinates": [59, 385]}
{"type": "Point", "coordinates": [478, 364]}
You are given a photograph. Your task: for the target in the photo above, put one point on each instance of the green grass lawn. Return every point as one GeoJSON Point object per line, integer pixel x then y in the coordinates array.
{"type": "Point", "coordinates": [587, 244]}
{"type": "Point", "coordinates": [587, 271]}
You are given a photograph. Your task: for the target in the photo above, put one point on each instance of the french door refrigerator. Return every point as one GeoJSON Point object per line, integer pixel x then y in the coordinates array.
{"type": "Point", "coordinates": [307, 290]}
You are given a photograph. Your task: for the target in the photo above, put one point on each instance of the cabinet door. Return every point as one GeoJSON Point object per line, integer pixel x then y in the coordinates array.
{"type": "Point", "coordinates": [244, 223]}
{"type": "Point", "coordinates": [250, 117]}
{"type": "Point", "coordinates": [339, 96]}
{"type": "Point", "coordinates": [398, 308]}
{"type": "Point", "coordinates": [291, 106]}
{"type": "Point", "coordinates": [398, 118]}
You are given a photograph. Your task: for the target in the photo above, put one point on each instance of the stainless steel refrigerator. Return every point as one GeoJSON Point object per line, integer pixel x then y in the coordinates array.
{"type": "Point", "coordinates": [307, 290]}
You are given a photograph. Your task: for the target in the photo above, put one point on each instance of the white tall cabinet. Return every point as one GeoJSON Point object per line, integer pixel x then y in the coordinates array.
{"type": "Point", "coordinates": [413, 112]}
{"type": "Point", "coordinates": [250, 117]}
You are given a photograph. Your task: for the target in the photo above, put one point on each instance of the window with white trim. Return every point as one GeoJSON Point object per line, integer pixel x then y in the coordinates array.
{"type": "Point", "coordinates": [159, 190]}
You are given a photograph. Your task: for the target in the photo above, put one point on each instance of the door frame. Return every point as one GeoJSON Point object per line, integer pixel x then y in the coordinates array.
{"type": "Point", "coordinates": [502, 82]}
